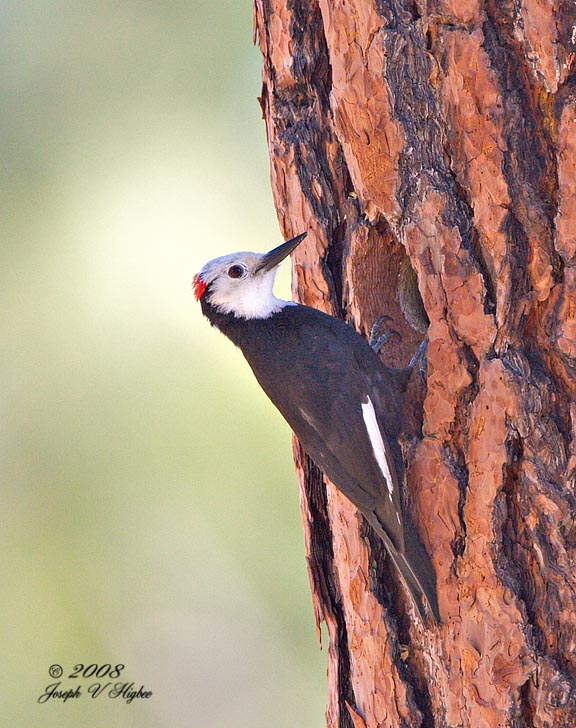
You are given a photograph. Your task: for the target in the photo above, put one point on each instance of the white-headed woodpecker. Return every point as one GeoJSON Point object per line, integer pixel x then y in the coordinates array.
{"type": "Point", "coordinates": [337, 396]}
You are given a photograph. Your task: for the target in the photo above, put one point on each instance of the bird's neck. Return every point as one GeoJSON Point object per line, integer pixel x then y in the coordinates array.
{"type": "Point", "coordinates": [228, 323]}
{"type": "Point", "coordinates": [219, 313]}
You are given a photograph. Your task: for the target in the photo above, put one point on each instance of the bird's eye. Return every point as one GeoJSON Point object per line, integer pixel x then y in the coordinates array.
{"type": "Point", "coordinates": [235, 271]}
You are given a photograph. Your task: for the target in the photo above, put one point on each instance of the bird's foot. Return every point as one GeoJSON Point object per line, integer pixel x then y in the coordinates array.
{"type": "Point", "coordinates": [377, 340]}
{"type": "Point", "coordinates": [421, 359]}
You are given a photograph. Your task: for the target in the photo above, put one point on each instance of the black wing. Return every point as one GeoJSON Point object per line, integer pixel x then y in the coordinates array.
{"type": "Point", "coordinates": [328, 396]}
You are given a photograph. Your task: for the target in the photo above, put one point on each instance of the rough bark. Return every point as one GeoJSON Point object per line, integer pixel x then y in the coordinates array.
{"type": "Point", "coordinates": [443, 134]}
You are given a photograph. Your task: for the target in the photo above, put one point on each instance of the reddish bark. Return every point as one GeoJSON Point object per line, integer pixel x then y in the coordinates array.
{"type": "Point", "coordinates": [443, 133]}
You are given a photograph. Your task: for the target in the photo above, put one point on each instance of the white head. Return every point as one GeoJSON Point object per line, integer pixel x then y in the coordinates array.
{"type": "Point", "coordinates": [241, 283]}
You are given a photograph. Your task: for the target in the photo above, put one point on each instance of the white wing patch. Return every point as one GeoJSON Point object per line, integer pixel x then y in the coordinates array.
{"type": "Point", "coordinates": [308, 418]}
{"type": "Point", "coordinates": [378, 447]}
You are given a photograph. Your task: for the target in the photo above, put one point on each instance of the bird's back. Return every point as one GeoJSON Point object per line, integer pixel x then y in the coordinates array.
{"type": "Point", "coordinates": [319, 373]}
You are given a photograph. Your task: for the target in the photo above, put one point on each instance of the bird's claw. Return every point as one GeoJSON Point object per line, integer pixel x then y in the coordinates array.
{"type": "Point", "coordinates": [421, 359]}
{"type": "Point", "coordinates": [378, 340]}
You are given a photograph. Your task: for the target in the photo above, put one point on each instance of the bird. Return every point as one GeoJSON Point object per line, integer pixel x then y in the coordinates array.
{"type": "Point", "coordinates": [339, 399]}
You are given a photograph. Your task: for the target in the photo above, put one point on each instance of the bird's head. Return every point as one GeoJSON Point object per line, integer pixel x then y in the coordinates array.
{"type": "Point", "coordinates": [241, 283]}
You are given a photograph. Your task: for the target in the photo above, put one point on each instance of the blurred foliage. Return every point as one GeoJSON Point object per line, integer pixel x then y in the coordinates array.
{"type": "Point", "coordinates": [150, 510]}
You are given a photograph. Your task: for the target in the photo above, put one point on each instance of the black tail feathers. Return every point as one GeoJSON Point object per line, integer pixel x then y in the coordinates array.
{"type": "Point", "coordinates": [414, 568]}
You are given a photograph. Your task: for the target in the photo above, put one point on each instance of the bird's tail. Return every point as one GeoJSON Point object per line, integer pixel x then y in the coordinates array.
{"type": "Point", "coordinates": [415, 570]}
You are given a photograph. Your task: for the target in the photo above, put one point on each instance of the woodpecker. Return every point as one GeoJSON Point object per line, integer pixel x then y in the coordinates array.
{"type": "Point", "coordinates": [330, 386]}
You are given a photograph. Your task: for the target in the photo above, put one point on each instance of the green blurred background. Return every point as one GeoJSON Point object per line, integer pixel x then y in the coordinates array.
{"type": "Point", "coordinates": [149, 505]}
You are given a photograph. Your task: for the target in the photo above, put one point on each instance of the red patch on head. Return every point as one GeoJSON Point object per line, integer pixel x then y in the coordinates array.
{"type": "Point", "coordinates": [199, 287]}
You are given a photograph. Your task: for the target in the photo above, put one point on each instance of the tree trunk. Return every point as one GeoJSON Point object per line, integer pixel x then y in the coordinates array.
{"type": "Point", "coordinates": [442, 135]}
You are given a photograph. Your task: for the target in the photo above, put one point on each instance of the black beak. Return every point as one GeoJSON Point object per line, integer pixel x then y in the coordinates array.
{"type": "Point", "coordinates": [276, 256]}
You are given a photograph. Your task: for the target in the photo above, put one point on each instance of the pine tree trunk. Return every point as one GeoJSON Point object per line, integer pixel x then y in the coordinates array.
{"type": "Point", "coordinates": [442, 136]}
